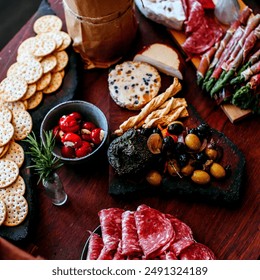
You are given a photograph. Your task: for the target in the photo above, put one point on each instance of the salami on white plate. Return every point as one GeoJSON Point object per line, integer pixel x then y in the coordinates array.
{"type": "Point", "coordinates": [95, 246]}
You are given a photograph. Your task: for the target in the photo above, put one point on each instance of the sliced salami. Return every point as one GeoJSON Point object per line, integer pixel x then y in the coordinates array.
{"type": "Point", "coordinates": [154, 230]}
{"type": "Point", "coordinates": [195, 16]}
{"type": "Point", "coordinates": [119, 255]}
{"type": "Point", "coordinates": [95, 246]}
{"type": "Point", "coordinates": [105, 254]}
{"type": "Point", "coordinates": [130, 241]}
{"type": "Point", "coordinates": [183, 235]}
{"type": "Point", "coordinates": [110, 221]}
{"type": "Point", "coordinates": [197, 251]}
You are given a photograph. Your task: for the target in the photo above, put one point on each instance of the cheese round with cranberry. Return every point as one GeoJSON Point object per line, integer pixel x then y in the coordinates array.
{"type": "Point", "coordinates": [133, 84]}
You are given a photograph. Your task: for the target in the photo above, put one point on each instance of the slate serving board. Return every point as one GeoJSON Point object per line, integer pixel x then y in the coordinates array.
{"type": "Point", "coordinates": [224, 192]}
{"type": "Point", "coordinates": [24, 231]}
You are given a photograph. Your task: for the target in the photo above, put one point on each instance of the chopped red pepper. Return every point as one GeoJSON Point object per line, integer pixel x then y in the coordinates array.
{"type": "Point", "coordinates": [68, 152]}
{"type": "Point", "coordinates": [76, 115]}
{"type": "Point", "coordinates": [84, 150]}
{"type": "Point", "coordinates": [97, 135]}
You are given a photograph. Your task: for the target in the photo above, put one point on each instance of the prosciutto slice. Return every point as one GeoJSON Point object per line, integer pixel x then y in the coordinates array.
{"type": "Point", "coordinates": [154, 230]}
{"type": "Point", "coordinates": [110, 221]}
{"type": "Point", "coordinates": [130, 241]}
{"type": "Point", "coordinates": [197, 251]}
{"type": "Point", "coordinates": [95, 246]}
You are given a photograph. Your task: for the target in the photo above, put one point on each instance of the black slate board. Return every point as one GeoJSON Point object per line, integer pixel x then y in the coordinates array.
{"type": "Point", "coordinates": [23, 232]}
{"type": "Point", "coordinates": [224, 192]}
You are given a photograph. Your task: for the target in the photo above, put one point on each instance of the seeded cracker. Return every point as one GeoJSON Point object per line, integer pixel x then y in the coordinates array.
{"type": "Point", "coordinates": [56, 81]}
{"type": "Point", "coordinates": [35, 100]}
{"type": "Point", "coordinates": [2, 211]}
{"type": "Point", "coordinates": [22, 122]}
{"type": "Point", "coordinates": [47, 23]}
{"type": "Point", "coordinates": [9, 172]}
{"type": "Point", "coordinates": [6, 132]}
{"type": "Point", "coordinates": [48, 63]}
{"type": "Point", "coordinates": [18, 187]}
{"type": "Point", "coordinates": [57, 38]}
{"type": "Point", "coordinates": [17, 209]}
{"type": "Point", "coordinates": [12, 89]}
{"type": "Point", "coordinates": [30, 91]}
{"type": "Point", "coordinates": [43, 45]}
{"type": "Point", "coordinates": [4, 149]}
{"type": "Point", "coordinates": [62, 60]}
{"type": "Point", "coordinates": [27, 46]}
{"type": "Point", "coordinates": [18, 105]}
{"type": "Point", "coordinates": [5, 114]}
{"type": "Point", "coordinates": [43, 82]}
{"type": "Point", "coordinates": [66, 41]}
{"type": "Point", "coordinates": [15, 153]}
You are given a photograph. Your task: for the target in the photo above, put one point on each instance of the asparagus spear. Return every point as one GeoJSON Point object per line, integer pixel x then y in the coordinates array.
{"type": "Point", "coordinates": [246, 74]}
{"type": "Point", "coordinates": [245, 49]}
{"type": "Point", "coordinates": [252, 60]}
{"type": "Point", "coordinates": [246, 97]}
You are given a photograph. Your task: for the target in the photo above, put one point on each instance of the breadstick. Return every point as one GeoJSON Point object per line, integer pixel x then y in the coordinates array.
{"type": "Point", "coordinates": [156, 102]}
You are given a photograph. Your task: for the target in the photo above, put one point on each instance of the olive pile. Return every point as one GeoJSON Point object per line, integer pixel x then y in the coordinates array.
{"type": "Point", "coordinates": [185, 152]}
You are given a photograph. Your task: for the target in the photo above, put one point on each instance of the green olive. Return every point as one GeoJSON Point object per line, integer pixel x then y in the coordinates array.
{"type": "Point", "coordinates": [154, 178]}
{"type": "Point", "coordinates": [217, 171]}
{"type": "Point", "coordinates": [187, 170]}
{"type": "Point", "coordinates": [173, 167]}
{"type": "Point", "coordinates": [155, 143]}
{"type": "Point", "coordinates": [211, 153]}
{"type": "Point", "coordinates": [192, 141]}
{"type": "Point", "coordinates": [200, 177]}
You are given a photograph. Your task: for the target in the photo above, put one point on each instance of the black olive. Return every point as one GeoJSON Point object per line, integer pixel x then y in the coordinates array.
{"type": "Point", "coordinates": [145, 131]}
{"type": "Point", "coordinates": [193, 131]}
{"type": "Point", "coordinates": [201, 157]}
{"type": "Point", "coordinates": [203, 130]}
{"type": "Point", "coordinates": [168, 145]}
{"type": "Point", "coordinates": [180, 148]}
{"type": "Point", "coordinates": [175, 128]}
{"type": "Point", "coordinates": [183, 159]}
{"type": "Point", "coordinates": [156, 130]}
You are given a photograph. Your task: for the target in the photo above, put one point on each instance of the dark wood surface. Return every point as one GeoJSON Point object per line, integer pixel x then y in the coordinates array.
{"type": "Point", "coordinates": [61, 232]}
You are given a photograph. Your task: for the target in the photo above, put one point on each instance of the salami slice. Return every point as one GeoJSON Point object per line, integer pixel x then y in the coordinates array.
{"type": "Point", "coordinates": [183, 235]}
{"type": "Point", "coordinates": [110, 221]}
{"type": "Point", "coordinates": [105, 254]}
{"type": "Point", "coordinates": [196, 16]}
{"type": "Point", "coordinates": [119, 254]}
{"type": "Point", "coordinates": [130, 241]}
{"type": "Point", "coordinates": [197, 251]}
{"type": "Point", "coordinates": [154, 230]}
{"type": "Point", "coordinates": [95, 246]}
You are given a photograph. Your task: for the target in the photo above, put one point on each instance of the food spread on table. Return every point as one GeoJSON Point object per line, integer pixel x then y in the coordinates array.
{"type": "Point", "coordinates": [161, 143]}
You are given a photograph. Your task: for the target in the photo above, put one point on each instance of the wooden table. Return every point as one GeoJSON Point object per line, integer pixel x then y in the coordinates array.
{"type": "Point", "coordinates": [232, 233]}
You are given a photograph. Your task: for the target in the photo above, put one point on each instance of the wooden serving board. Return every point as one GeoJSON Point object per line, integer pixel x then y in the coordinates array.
{"type": "Point", "coordinates": [233, 112]}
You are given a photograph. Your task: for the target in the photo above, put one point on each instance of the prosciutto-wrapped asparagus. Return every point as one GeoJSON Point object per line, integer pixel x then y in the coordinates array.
{"type": "Point", "coordinates": [206, 69]}
{"type": "Point", "coordinates": [240, 58]}
{"type": "Point", "coordinates": [252, 60]}
{"type": "Point", "coordinates": [247, 96]}
{"type": "Point", "coordinates": [246, 74]}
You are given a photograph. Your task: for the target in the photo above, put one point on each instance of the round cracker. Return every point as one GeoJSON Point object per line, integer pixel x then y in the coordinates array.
{"type": "Point", "coordinates": [17, 187]}
{"type": "Point", "coordinates": [15, 153]}
{"type": "Point", "coordinates": [6, 132]}
{"type": "Point", "coordinates": [47, 23]}
{"type": "Point", "coordinates": [57, 38]}
{"type": "Point", "coordinates": [66, 41]}
{"type": "Point", "coordinates": [22, 122]}
{"type": "Point", "coordinates": [43, 45]}
{"type": "Point", "coordinates": [25, 56]}
{"type": "Point", "coordinates": [30, 91]}
{"type": "Point", "coordinates": [62, 60]}
{"type": "Point", "coordinates": [43, 82]}
{"type": "Point", "coordinates": [9, 172]}
{"type": "Point", "coordinates": [4, 149]}
{"type": "Point", "coordinates": [13, 88]}
{"type": "Point", "coordinates": [2, 211]}
{"type": "Point", "coordinates": [48, 63]}
{"type": "Point", "coordinates": [27, 46]}
{"type": "Point", "coordinates": [62, 72]}
{"type": "Point", "coordinates": [17, 209]}
{"type": "Point", "coordinates": [35, 100]}
{"type": "Point", "coordinates": [5, 114]}
{"type": "Point", "coordinates": [56, 81]}
{"type": "Point", "coordinates": [17, 105]}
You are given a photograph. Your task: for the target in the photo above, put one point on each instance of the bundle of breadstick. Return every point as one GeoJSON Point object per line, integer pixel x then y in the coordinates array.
{"type": "Point", "coordinates": [161, 110]}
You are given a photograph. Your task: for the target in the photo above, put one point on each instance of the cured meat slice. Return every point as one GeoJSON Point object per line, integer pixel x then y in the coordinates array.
{"type": "Point", "coordinates": [196, 16]}
{"type": "Point", "coordinates": [197, 251]}
{"type": "Point", "coordinates": [183, 235]}
{"type": "Point", "coordinates": [168, 256]}
{"type": "Point", "coordinates": [203, 38]}
{"type": "Point", "coordinates": [110, 221]}
{"type": "Point", "coordinates": [105, 254]}
{"type": "Point", "coordinates": [154, 230]}
{"type": "Point", "coordinates": [119, 255]}
{"type": "Point", "coordinates": [130, 241]}
{"type": "Point", "coordinates": [95, 246]}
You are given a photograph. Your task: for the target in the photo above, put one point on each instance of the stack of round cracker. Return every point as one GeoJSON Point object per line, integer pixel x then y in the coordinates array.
{"type": "Point", "coordinates": [39, 70]}
{"type": "Point", "coordinates": [39, 66]}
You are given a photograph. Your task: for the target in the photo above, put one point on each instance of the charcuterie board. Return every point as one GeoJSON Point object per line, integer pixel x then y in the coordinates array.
{"type": "Point", "coordinates": [233, 112]}
{"type": "Point", "coordinates": [22, 232]}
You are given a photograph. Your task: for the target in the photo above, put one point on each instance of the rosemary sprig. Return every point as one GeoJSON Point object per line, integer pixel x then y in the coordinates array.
{"type": "Point", "coordinates": [45, 162]}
